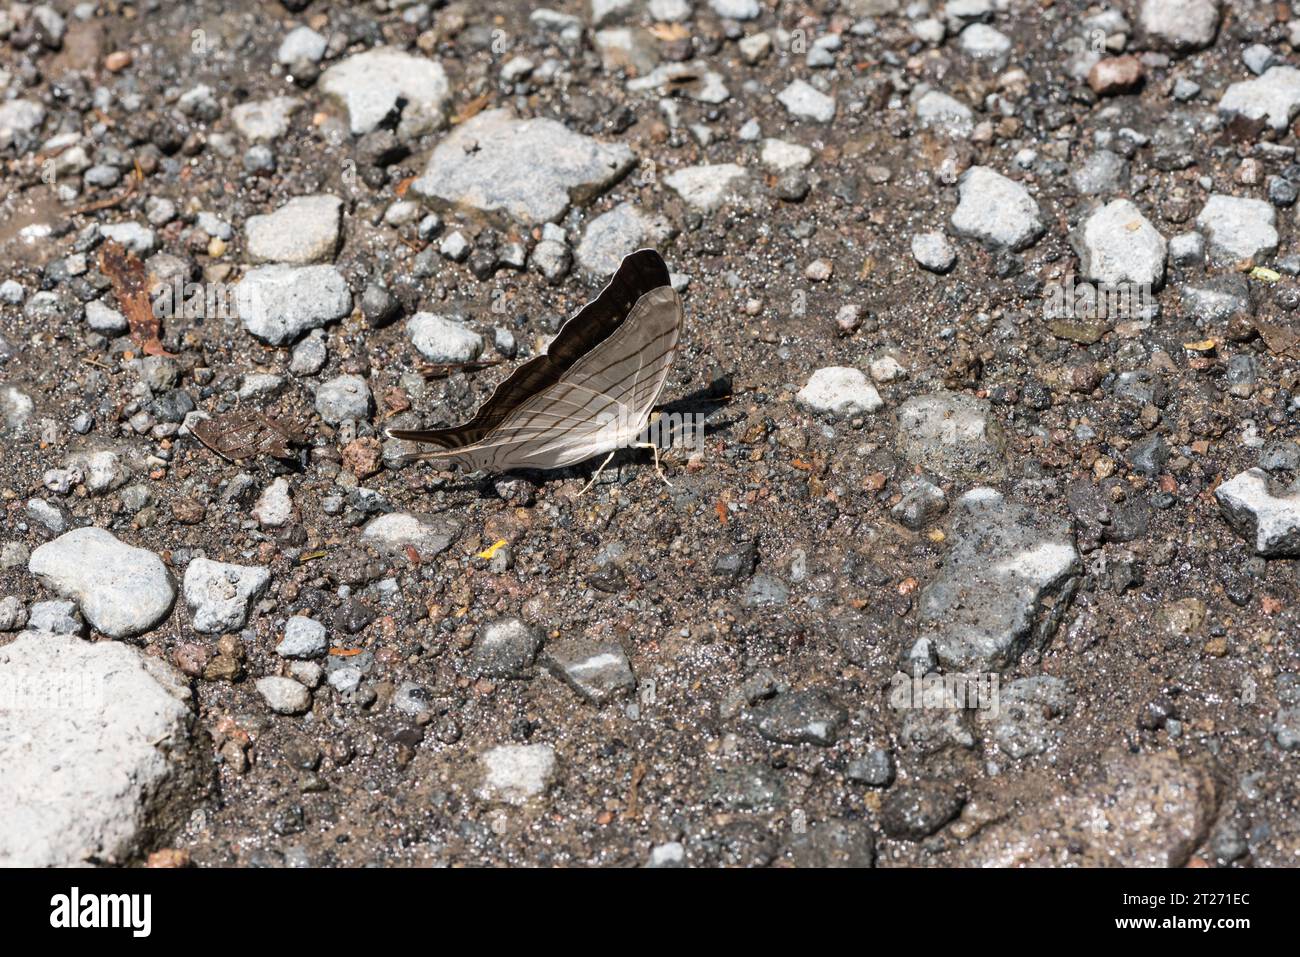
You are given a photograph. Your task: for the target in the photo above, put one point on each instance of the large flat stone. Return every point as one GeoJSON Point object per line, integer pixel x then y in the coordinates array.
{"type": "Point", "coordinates": [528, 171]}
{"type": "Point", "coordinates": [376, 85]}
{"type": "Point", "coordinates": [429, 534]}
{"type": "Point", "coordinates": [1003, 587]}
{"type": "Point", "coordinates": [95, 746]}
{"type": "Point", "coordinates": [279, 303]}
{"type": "Point", "coordinates": [1138, 810]}
{"type": "Point", "coordinates": [1267, 518]}
{"type": "Point", "coordinates": [121, 590]}
{"type": "Point", "coordinates": [952, 434]}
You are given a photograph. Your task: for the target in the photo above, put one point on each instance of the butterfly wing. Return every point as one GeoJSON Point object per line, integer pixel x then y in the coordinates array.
{"type": "Point", "coordinates": [591, 392]}
{"type": "Point", "coordinates": [639, 273]}
{"type": "Point", "coordinates": [602, 403]}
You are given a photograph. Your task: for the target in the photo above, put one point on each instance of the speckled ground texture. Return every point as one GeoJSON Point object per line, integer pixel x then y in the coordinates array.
{"type": "Point", "coordinates": [700, 673]}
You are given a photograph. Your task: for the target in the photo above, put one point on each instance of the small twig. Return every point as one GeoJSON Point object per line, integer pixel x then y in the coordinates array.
{"type": "Point", "coordinates": [108, 203]}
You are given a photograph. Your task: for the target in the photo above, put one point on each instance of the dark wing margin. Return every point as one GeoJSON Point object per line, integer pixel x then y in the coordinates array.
{"type": "Point", "coordinates": [638, 273]}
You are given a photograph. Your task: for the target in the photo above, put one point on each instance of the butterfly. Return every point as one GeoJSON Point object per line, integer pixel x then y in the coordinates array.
{"type": "Point", "coordinates": [591, 392]}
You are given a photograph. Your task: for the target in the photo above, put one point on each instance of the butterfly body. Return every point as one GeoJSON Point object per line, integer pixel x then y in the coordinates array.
{"type": "Point", "coordinates": [590, 393]}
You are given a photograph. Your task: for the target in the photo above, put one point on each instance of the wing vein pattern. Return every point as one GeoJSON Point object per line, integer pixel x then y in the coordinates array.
{"type": "Point", "coordinates": [593, 389]}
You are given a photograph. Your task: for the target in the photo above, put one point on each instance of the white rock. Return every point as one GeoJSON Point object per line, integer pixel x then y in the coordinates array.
{"type": "Point", "coordinates": [1269, 522]}
{"type": "Point", "coordinates": [671, 854]}
{"type": "Point", "coordinates": [132, 236]}
{"type": "Point", "coordinates": [101, 471]}
{"type": "Point", "coordinates": [1238, 228]}
{"type": "Point", "coordinates": [933, 251]}
{"type": "Point", "coordinates": [736, 9]}
{"type": "Point", "coordinates": [631, 49]}
{"type": "Point", "coordinates": [839, 390]}
{"type": "Point", "coordinates": [301, 45]}
{"type": "Point", "coordinates": [1273, 97]}
{"type": "Point", "coordinates": [344, 398]}
{"type": "Point", "coordinates": [755, 47]}
{"type": "Point", "coordinates": [705, 188]}
{"type": "Point", "coordinates": [104, 319]}
{"type": "Point", "coordinates": [374, 84]}
{"type": "Point", "coordinates": [283, 695]}
{"type": "Point", "coordinates": [807, 102]}
{"type": "Point", "coordinates": [430, 535]}
{"type": "Point", "coordinates": [669, 11]}
{"type": "Point", "coordinates": [279, 303]}
{"type": "Point", "coordinates": [1187, 249]}
{"type": "Point", "coordinates": [220, 594]}
{"type": "Point", "coordinates": [937, 110]}
{"type": "Point", "coordinates": [303, 638]}
{"type": "Point", "coordinates": [15, 407]}
{"type": "Point", "coordinates": [1117, 244]}
{"type": "Point", "coordinates": [962, 12]}
{"type": "Point", "coordinates": [274, 508]}
{"type": "Point", "coordinates": [887, 369]}
{"type": "Point", "coordinates": [18, 118]}
{"type": "Point", "coordinates": [612, 235]}
{"type": "Point", "coordinates": [1258, 58]}
{"type": "Point", "coordinates": [57, 618]}
{"type": "Point", "coordinates": [121, 590]}
{"type": "Point", "coordinates": [1180, 25]}
{"type": "Point", "coordinates": [515, 773]}
{"type": "Point", "coordinates": [96, 752]}
{"type": "Point", "coordinates": [606, 11]}
{"type": "Point", "coordinates": [12, 613]}
{"type": "Point", "coordinates": [478, 167]}
{"type": "Point", "coordinates": [997, 211]}
{"type": "Point", "coordinates": [929, 30]}
{"type": "Point", "coordinates": [443, 339]}
{"type": "Point", "coordinates": [303, 230]}
{"type": "Point", "coordinates": [783, 157]}
{"type": "Point", "coordinates": [981, 41]}
{"type": "Point", "coordinates": [264, 121]}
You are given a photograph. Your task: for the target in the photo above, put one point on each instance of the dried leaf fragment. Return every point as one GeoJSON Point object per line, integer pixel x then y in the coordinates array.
{"type": "Point", "coordinates": [244, 434]}
{"type": "Point", "coordinates": [131, 286]}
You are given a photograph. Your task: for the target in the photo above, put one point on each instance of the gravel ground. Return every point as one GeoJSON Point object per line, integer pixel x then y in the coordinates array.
{"type": "Point", "coordinates": [242, 628]}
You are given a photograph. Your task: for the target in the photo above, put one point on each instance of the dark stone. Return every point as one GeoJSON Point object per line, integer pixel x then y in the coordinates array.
{"type": "Point", "coordinates": [736, 566]}
{"type": "Point", "coordinates": [379, 306]}
{"type": "Point", "coordinates": [913, 812]}
{"type": "Point", "coordinates": [1149, 455]}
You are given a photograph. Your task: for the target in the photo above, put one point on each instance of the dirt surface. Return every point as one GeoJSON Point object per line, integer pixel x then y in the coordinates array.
{"type": "Point", "coordinates": [773, 590]}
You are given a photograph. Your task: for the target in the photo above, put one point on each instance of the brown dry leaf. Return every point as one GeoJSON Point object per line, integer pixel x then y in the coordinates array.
{"type": "Point", "coordinates": [1280, 339]}
{"type": "Point", "coordinates": [131, 285]}
{"type": "Point", "coordinates": [243, 434]}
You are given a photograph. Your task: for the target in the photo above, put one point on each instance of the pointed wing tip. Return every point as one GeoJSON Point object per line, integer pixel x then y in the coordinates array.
{"type": "Point", "coordinates": [414, 435]}
{"type": "Point", "coordinates": [646, 262]}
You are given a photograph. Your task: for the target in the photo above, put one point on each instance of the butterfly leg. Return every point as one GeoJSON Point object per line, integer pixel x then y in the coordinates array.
{"type": "Point", "coordinates": [597, 475]}
{"type": "Point", "coordinates": [655, 449]}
